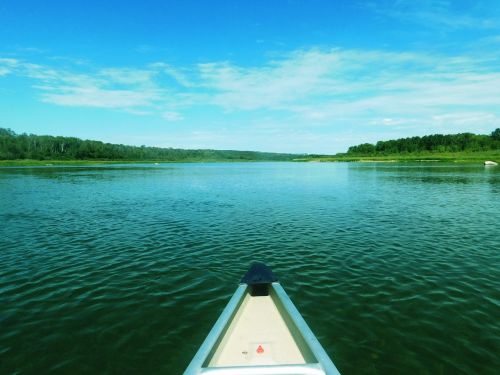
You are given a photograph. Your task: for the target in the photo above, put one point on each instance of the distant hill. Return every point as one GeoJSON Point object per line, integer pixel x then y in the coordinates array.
{"type": "Point", "coordinates": [463, 142]}
{"type": "Point", "coordinates": [45, 147]}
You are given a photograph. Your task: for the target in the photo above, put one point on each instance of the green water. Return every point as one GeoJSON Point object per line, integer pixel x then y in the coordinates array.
{"type": "Point", "coordinates": [124, 269]}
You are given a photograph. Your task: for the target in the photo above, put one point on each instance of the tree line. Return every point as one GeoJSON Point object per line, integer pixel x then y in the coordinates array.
{"type": "Point", "coordinates": [45, 147]}
{"type": "Point", "coordinates": [430, 143]}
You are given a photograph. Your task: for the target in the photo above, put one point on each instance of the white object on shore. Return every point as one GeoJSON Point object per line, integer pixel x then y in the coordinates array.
{"type": "Point", "coordinates": [489, 162]}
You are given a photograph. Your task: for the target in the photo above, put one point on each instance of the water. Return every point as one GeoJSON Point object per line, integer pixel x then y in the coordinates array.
{"type": "Point", "coordinates": [124, 269]}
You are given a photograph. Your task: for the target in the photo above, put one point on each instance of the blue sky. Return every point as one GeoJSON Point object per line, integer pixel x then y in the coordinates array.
{"type": "Point", "coordinates": [286, 76]}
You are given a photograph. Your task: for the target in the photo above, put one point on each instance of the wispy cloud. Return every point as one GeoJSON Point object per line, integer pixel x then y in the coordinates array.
{"type": "Point", "coordinates": [128, 76]}
{"type": "Point", "coordinates": [7, 65]}
{"type": "Point", "coordinates": [321, 89]}
{"type": "Point", "coordinates": [177, 74]}
{"type": "Point", "coordinates": [91, 96]}
{"type": "Point", "coordinates": [440, 14]}
{"type": "Point", "coordinates": [346, 85]}
{"type": "Point", "coordinates": [4, 71]}
{"type": "Point", "coordinates": [280, 84]}
{"type": "Point", "coordinates": [119, 88]}
{"type": "Point", "coordinates": [172, 116]}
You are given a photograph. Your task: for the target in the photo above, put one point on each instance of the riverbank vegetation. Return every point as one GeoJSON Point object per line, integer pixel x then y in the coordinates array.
{"type": "Point", "coordinates": [30, 149]}
{"type": "Point", "coordinates": [42, 149]}
{"type": "Point", "coordinates": [464, 147]}
{"type": "Point", "coordinates": [438, 143]}
{"type": "Point", "coordinates": [452, 157]}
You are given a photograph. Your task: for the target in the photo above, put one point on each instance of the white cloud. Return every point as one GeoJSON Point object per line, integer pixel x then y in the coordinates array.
{"type": "Point", "coordinates": [298, 77]}
{"type": "Point", "coordinates": [127, 76]}
{"type": "Point", "coordinates": [172, 116]}
{"type": "Point", "coordinates": [9, 61]}
{"type": "Point", "coordinates": [179, 75]}
{"type": "Point", "coordinates": [326, 89]}
{"type": "Point", "coordinates": [356, 86]}
{"type": "Point", "coordinates": [97, 97]}
{"type": "Point", "coordinates": [439, 14]}
{"type": "Point", "coordinates": [132, 90]}
{"type": "Point", "coordinates": [7, 65]}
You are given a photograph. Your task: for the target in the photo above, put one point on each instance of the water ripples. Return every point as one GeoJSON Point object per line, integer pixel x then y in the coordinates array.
{"type": "Point", "coordinates": [125, 269]}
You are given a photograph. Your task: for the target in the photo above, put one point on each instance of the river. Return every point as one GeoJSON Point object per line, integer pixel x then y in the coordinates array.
{"type": "Point", "coordinates": [124, 268]}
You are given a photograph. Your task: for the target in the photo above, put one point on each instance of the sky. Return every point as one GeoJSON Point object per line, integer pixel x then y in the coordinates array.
{"type": "Point", "coordinates": [285, 76]}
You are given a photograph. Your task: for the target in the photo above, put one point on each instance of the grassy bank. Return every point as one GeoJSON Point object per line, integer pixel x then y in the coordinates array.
{"type": "Point", "coordinates": [451, 157]}
{"type": "Point", "coordinates": [41, 163]}
{"type": "Point", "coordinates": [46, 163]}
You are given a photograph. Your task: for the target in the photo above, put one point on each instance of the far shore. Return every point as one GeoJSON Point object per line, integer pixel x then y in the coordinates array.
{"type": "Point", "coordinates": [428, 157]}
{"type": "Point", "coordinates": [77, 162]}
{"type": "Point", "coordinates": [459, 157]}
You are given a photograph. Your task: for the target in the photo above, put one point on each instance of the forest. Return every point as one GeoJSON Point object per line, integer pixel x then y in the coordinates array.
{"type": "Point", "coordinates": [15, 146]}
{"type": "Point", "coordinates": [463, 142]}
{"type": "Point", "coordinates": [45, 147]}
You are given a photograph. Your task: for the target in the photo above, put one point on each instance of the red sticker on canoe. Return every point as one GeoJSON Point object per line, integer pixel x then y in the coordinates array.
{"type": "Point", "coordinates": [260, 349]}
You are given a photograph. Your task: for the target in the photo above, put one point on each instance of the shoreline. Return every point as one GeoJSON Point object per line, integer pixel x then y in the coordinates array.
{"type": "Point", "coordinates": [442, 158]}
{"type": "Point", "coordinates": [69, 163]}
{"type": "Point", "coordinates": [445, 157]}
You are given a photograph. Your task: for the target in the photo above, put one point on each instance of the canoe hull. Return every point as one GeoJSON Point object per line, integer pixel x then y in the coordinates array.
{"type": "Point", "coordinates": [261, 333]}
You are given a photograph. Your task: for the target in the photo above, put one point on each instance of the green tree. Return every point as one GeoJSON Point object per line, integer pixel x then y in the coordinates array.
{"type": "Point", "coordinates": [496, 134]}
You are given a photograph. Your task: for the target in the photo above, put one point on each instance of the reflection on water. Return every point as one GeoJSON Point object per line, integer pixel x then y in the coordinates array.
{"type": "Point", "coordinates": [126, 268]}
{"type": "Point", "coordinates": [84, 172]}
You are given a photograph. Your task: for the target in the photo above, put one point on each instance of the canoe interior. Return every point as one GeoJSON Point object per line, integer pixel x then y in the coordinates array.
{"type": "Point", "coordinates": [260, 332]}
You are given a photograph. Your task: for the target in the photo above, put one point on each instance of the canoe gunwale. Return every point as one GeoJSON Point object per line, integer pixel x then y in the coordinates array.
{"type": "Point", "coordinates": [305, 369]}
{"type": "Point", "coordinates": [217, 331]}
{"type": "Point", "coordinates": [308, 336]}
{"type": "Point", "coordinates": [322, 363]}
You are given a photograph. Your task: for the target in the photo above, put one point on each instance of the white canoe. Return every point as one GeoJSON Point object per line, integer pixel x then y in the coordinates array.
{"type": "Point", "coordinates": [489, 162]}
{"type": "Point", "coordinates": [261, 332]}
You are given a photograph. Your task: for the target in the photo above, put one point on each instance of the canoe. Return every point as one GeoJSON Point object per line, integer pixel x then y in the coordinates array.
{"type": "Point", "coordinates": [260, 331]}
